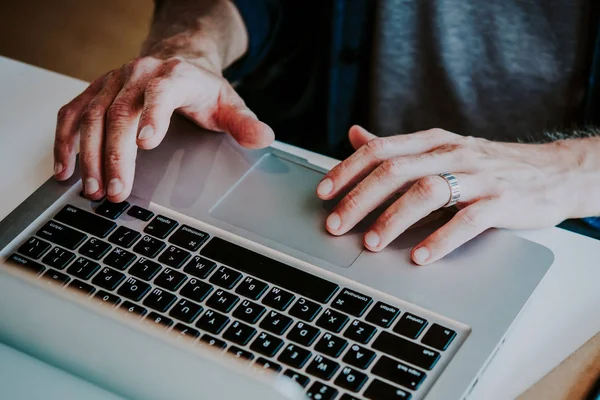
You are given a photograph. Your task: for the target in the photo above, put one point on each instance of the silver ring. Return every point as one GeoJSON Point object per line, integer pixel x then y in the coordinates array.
{"type": "Point", "coordinates": [454, 188]}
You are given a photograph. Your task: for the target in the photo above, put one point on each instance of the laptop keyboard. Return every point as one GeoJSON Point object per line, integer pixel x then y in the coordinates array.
{"type": "Point", "coordinates": [334, 341]}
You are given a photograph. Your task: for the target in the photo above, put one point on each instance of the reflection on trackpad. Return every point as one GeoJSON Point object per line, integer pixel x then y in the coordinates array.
{"type": "Point", "coordinates": [276, 199]}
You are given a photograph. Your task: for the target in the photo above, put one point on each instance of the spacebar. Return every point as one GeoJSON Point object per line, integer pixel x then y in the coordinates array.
{"type": "Point", "coordinates": [263, 267]}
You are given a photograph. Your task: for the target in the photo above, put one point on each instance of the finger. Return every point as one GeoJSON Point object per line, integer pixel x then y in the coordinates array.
{"type": "Point", "coordinates": [359, 136]}
{"type": "Point", "coordinates": [464, 226]}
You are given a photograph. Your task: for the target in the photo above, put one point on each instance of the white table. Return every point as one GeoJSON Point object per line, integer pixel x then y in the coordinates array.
{"type": "Point", "coordinates": [562, 315]}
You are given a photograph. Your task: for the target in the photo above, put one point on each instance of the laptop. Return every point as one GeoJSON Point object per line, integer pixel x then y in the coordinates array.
{"type": "Point", "coordinates": [216, 279]}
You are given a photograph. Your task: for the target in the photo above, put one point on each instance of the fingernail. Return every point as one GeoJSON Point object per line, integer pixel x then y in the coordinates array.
{"type": "Point", "coordinates": [334, 221]}
{"type": "Point", "coordinates": [421, 254]}
{"type": "Point", "coordinates": [146, 133]}
{"type": "Point", "coordinates": [91, 186]}
{"type": "Point", "coordinates": [372, 239]}
{"type": "Point", "coordinates": [325, 187]}
{"type": "Point", "coordinates": [58, 168]}
{"type": "Point", "coordinates": [114, 187]}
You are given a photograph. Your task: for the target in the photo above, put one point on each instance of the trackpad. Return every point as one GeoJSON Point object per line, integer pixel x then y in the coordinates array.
{"type": "Point", "coordinates": [277, 200]}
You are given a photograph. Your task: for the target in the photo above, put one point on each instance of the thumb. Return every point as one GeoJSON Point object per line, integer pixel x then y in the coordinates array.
{"type": "Point", "coordinates": [245, 127]}
{"type": "Point", "coordinates": [359, 136]}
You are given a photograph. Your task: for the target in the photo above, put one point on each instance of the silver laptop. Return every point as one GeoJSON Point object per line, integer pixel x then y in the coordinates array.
{"type": "Point", "coordinates": [216, 279]}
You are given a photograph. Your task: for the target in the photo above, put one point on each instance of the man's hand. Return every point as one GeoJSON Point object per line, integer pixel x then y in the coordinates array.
{"type": "Point", "coordinates": [504, 185]}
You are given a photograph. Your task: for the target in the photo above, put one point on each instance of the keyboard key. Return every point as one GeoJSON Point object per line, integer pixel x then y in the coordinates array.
{"type": "Point", "coordinates": [134, 289]}
{"type": "Point", "coordinates": [212, 341]}
{"type": "Point", "coordinates": [83, 268]}
{"type": "Point", "coordinates": [332, 320]}
{"type": "Point", "coordinates": [186, 310]}
{"type": "Point", "coordinates": [263, 363]}
{"type": "Point", "coordinates": [81, 287]}
{"type": "Point", "coordinates": [303, 334]}
{"type": "Point", "coordinates": [55, 277]}
{"type": "Point", "coordinates": [185, 332]}
{"type": "Point", "coordinates": [140, 213]}
{"type": "Point", "coordinates": [34, 248]}
{"type": "Point", "coordinates": [145, 269]}
{"type": "Point", "coordinates": [170, 280]}
{"type": "Point", "coordinates": [352, 302]}
{"type": "Point", "coordinates": [26, 264]}
{"type": "Point", "coordinates": [156, 319]}
{"type": "Point", "coordinates": [240, 353]}
{"type": "Point", "coordinates": [266, 344]}
{"type": "Point", "coordinates": [297, 377]}
{"type": "Point", "coordinates": [262, 267]}
{"type": "Point", "coordinates": [331, 345]}
{"type": "Point", "coordinates": [189, 238]}
{"type": "Point", "coordinates": [251, 288]}
{"type": "Point", "coordinates": [108, 278]}
{"type": "Point", "coordinates": [351, 379]}
{"type": "Point", "coordinates": [222, 301]}
{"type": "Point", "coordinates": [225, 277]}
{"type": "Point", "coordinates": [61, 235]}
{"type": "Point", "coordinates": [160, 300]}
{"type": "Point", "coordinates": [359, 357]}
{"type": "Point", "coordinates": [275, 322]}
{"type": "Point", "coordinates": [94, 248]}
{"type": "Point", "coordinates": [379, 390]}
{"type": "Point", "coordinates": [213, 322]}
{"type": "Point", "coordinates": [360, 332]}
{"type": "Point", "coordinates": [124, 237]}
{"type": "Point", "coordinates": [161, 226]}
{"type": "Point", "coordinates": [320, 391]}
{"type": "Point", "coordinates": [239, 333]}
{"type": "Point", "coordinates": [398, 372]}
{"type": "Point", "coordinates": [322, 367]}
{"type": "Point", "coordinates": [112, 210]}
{"type": "Point", "coordinates": [405, 350]}
{"type": "Point", "coordinates": [294, 356]}
{"type": "Point", "coordinates": [58, 258]}
{"type": "Point", "coordinates": [200, 267]}
{"type": "Point", "coordinates": [119, 258]}
{"type": "Point", "coordinates": [346, 396]}
{"type": "Point", "coordinates": [174, 257]}
{"type": "Point", "coordinates": [85, 221]}
{"type": "Point", "coordinates": [410, 326]}
{"type": "Point", "coordinates": [278, 299]}
{"type": "Point", "coordinates": [438, 337]}
{"type": "Point", "coordinates": [107, 298]}
{"type": "Point", "coordinates": [149, 247]}
{"type": "Point", "coordinates": [133, 309]}
{"type": "Point", "coordinates": [196, 290]}
{"type": "Point", "coordinates": [382, 314]}
{"type": "Point", "coordinates": [305, 309]}
{"type": "Point", "coordinates": [249, 312]}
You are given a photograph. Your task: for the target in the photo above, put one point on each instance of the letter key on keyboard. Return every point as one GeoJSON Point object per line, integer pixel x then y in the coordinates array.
{"type": "Point", "coordinates": [58, 258]}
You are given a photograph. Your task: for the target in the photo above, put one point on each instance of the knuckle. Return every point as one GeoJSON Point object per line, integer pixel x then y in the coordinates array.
{"type": "Point", "coordinates": [92, 114]}
{"type": "Point", "coordinates": [88, 158]}
{"type": "Point", "coordinates": [426, 188]}
{"type": "Point", "coordinates": [470, 217]}
{"type": "Point", "coordinates": [119, 110]}
{"type": "Point", "coordinates": [394, 167]}
{"type": "Point", "coordinates": [66, 112]}
{"type": "Point", "coordinates": [156, 86]}
{"type": "Point", "coordinates": [351, 200]}
{"type": "Point", "coordinates": [113, 158]}
{"type": "Point", "coordinates": [375, 146]}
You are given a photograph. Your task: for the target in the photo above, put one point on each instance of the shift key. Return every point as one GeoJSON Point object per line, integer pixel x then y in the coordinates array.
{"type": "Point", "coordinates": [85, 221]}
{"type": "Point", "coordinates": [61, 235]}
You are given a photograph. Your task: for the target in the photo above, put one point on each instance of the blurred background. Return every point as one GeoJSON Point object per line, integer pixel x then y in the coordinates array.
{"type": "Point", "coordinates": [79, 38]}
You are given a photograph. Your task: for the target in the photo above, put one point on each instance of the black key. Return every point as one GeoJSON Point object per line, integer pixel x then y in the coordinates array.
{"type": "Point", "coordinates": [240, 353]}
{"type": "Point", "coordinates": [405, 350]}
{"type": "Point", "coordinates": [331, 345]}
{"type": "Point", "coordinates": [55, 277]}
{"type": "Point", "coordinates": [266, 344]}
{"type": "Point", "coordinates": [303, 333]}
{"type": "Point", "coordinates": [379, 390]}
{"type": "Point", "coordinates": [332, 320]}
{"type": "Point", "coordinates": [305, 309]}
{"type": "Point", "coordinates": [189, 238]}
{"type": "Point", "coordinates": [239, 333]}
{"type": "Point", "coordinates": [249, 312]}
{"type": "Point", "coordinates": [185, 310]}
{"type": "Point", "coordinates": [320, 391]}
{"type": "Point", "coordinates": [352, 302]}
{"type": "Point", "coordinates": [351, 379]}
{"type": "Point", "coordinates": [263, 363]}
{"type": "Point", "coordinates": [156, 319]}
{"type": "Point", "coordinates": [212, 341]}
{"type": "Point", "coordinates": [174, 257]}
{"type": "Point", "coordinates": [360, 332]}
{"type": "Point", "coordinates": [159, 300]}
{"type": "Point", "coordinates": [410, 326]}
{"type": "Point", "coordinates": [85, 221]}
{"type": "Point", "coordinates": [398, 372]}
{"type": "Point", "coordinates": [359, 357]}
{"type": "Point", "coordinates": [225, 277]}
{"type": "Point", "coordinates": [112, 210]}
{"type": "Point", "coordinates": [108, 278]}
{"type": "Point", "coordinates": [119, 258]}
{"type": "Point", "coordinates": [196, 290]}
{"type": "Point", "coordinates": [58, 258]}
{"type": "Point", "coordinates": [149, 247]}
{"type": "Point", "coordinates": [212, 321]}
{"type": "Point", "coordinates": [262, 267]}
{"type": "Point", "coordinates": [61, 235]}
{"type": "Point", "coordinates": [161, 226]}
{"type": "Point", "coordinates": [346, 396]}
{"type": "Point", "coordinates": [170, 280]}
{"type": "Point", "coordinates": [124, 237]}
{"type": "Point", "coordinates": [133, 309]}
{"type": "Point", "coordinates": [107, 298]}
{"type": "Point", "coordinates": [275, 322]}
{"type": "Point", "coordinates": [294, 356]}
{"type": "Point", "coordinates": [134, 289]}
{"type": "Point", "coordinates": [81, 287]}
{"type": "Point", "coordinates": [278, 299]}
{"type": "Point", "coordinates": [251, 288]}
{"type": "Point", "coordinates": [140, 213]}
{"type": "Point", "coordinates": [322, 367]}
{"type": "Point", "coordinates": [83, 268]}
{"type": "Point", "coordinates": [94, 248]}
{"type": "Point", "coordinates": [297, 377]}
{"type": "Point", "coordinates": [200, 267]}
{"type": "Point", "coordinates": [382, 314]}
{"type": "Point", "coordinates": [34, 248]}
{"type": "Point", "coordinates": [185, 332]}
{"type": "Point", "coordinates": [222, 301]}
{"type": "Point", "coordinates": [145, 269]}
{"type": "Point", "coordinates": [438, 337]}
{"type": "Point", "coordinates": [26, 264]}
